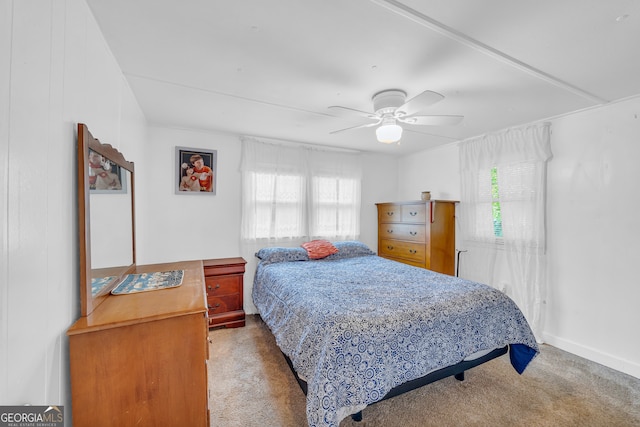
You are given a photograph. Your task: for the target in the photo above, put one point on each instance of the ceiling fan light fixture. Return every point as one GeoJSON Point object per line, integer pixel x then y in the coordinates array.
{"type": "Point", "coordinates": [392, 108]}
{"type": "Point", "coordinates": [389, 133]}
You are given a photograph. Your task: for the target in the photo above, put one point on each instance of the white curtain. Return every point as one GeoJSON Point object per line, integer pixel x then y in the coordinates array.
{"type": "Point", "coordinates": [520, 157]}
{"type": "Point", "coordinates": [291, 194]}
{"type": "Point", "coordinates": [334, 211]}
{"type": "Point", "coordinates": [271, 174]}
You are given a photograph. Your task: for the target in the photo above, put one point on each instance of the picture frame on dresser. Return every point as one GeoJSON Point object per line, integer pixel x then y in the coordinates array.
{"type": "Point", "coordinates": [196, 171]}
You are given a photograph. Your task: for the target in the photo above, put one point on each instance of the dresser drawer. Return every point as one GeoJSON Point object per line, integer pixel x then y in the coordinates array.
{"type": "Point", "coordinates": [414, 213]}
{"type": "Point", "coordinates": [223, 285]}
{"type": "Point", "coordinates": [421, 263]}
{"type": "Point", "coordinates": [411, 232]}
{"type": "Point", "coordinates": [389, 213]}
{"type": "Point", "coordinates": [223, 304]}
{"type": "Point", "coordinates": [400, 249]}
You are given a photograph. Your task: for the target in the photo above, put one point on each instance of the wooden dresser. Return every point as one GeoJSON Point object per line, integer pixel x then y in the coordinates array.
{"type": "Point", "coordinates": [224, 282]}
{"type": "Point", "coordinates": [141, 359]}
{"type": "Point", "coordinates": [418, 233]}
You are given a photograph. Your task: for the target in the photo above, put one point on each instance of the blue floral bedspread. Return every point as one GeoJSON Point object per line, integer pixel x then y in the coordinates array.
{"type": "Point", "coordinates": [354, 327]}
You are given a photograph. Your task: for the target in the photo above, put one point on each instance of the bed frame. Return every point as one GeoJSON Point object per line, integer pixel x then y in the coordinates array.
{"type": "Point", "coordinates": [456, 370]}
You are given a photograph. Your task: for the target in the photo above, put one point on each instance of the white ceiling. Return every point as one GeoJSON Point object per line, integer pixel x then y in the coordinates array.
{"type": "Point", "coordinates": [272, 68]}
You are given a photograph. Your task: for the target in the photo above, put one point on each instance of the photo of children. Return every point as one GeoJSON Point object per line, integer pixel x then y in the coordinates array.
{"type": "Point", "coordinates": [196, 170]}
{"type": "Point", "coordinates": [103, 174]}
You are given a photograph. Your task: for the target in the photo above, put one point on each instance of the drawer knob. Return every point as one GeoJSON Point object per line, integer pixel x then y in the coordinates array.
{"type": "Point", "coordinates": [413, 251]}
{"type": "Point", "coordinates": [413, 213]}
{"type": "Point", "coordinates": [390, 247]}
{"type": "Point", "coordinates": [390, 231]}
{"type": "Point", "coordinates": [390, 213]}
{"type": "Point", "coordinates": [213, 307]}
{"type": "Point", "coordinates": [211, 287]}
{"type": "Point", "coordinates": [413, 233]}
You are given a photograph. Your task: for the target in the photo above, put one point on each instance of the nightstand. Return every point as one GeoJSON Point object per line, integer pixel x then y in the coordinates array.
{"type": "Point", "coordinates": [224, 286]}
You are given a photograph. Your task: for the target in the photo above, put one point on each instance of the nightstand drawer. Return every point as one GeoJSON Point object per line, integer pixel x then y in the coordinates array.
{"type": "Point", "coordinates": [223, 285]}
{"type": "Point", "coordinates": [219, 270]}
{"type": "Point", "coordinates": [223, 304]}
{"type": "Point", "coordinates": [230, 319]}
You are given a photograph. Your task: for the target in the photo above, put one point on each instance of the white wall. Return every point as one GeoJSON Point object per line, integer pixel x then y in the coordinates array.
{"type": "Point", "coordinates": [172, 227]}
{"type": "Point", "coordinates": [55, 71]}
{"type": "Point", "coordinates": [594, 235]}
{"type": "Point", "coordinates": [186, 226]}
{"type": "Point", "coordinates": [5, 113]}
{"type": "Point", "coordinates": [436, 170]}
{"type": "Point", "coordinates": [592, 229]}
{"type": "Point", "coordinates": [379, 185]}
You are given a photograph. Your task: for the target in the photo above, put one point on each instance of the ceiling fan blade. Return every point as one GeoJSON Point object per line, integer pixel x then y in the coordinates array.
{"type": "Point", "coordinates": [351, 112]}
{"type": "Point", "coordinates": [419, 103]}
{"type": "Point", "coordinates": [431, 120]}
{"type": "Point", "coordinates": [367, 125]}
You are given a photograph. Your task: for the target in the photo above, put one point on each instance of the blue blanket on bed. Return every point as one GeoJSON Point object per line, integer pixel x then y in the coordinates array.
{"type": "Point", "coordinates": [357, 325]}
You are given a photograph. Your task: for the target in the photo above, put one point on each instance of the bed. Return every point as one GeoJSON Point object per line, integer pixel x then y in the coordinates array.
{"type": "Point", "coordinates": [357, 328]}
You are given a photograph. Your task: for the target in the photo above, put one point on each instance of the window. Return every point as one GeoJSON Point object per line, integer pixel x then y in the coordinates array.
{"type": "Point", "coordinates": [495, 204]}
{"type": "Point", "coordinates": [297, 193]}
{"type": "Point", "coordinates": [503, 190]}
{"type": "Point", "coordinates": [498, 189]}
{"type": "Point", "coordinates": [336, 204]}
{"type": "Point", "coordinates": [278, 203]}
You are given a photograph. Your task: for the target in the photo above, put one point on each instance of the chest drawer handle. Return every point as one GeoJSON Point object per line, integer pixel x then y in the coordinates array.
{"type": "Point", "coordinates": [213, 307]}
{"type": "Point", "coordinates": [216, 287]}
{"type": "Point", "coordinates": [390, 231]}
{"type": "Point", "coordinates": [413, 233]}
{"type": "Point", "coordinates": [413, 251]}
{"type": "Point", "coordinates": [390, 213]}
{"type": "Point", "coordinates": [413, 213]}
{"type": "Point", "coordinates": [390, 247]}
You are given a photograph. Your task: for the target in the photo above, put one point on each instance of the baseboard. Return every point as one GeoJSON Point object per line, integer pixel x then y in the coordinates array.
{"type": "Point", "coordinates": [606, 359]}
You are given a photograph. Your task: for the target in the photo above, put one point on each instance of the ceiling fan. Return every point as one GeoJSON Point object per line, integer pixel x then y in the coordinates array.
{"type": "Point", "coordinates": [392, 109]}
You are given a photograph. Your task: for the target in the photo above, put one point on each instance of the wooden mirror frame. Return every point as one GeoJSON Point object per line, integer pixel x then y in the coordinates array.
{"type": "Point", "coordinates": [86, 141]}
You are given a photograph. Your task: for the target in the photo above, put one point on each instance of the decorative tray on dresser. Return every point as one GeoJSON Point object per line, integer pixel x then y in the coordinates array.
{"type": "Point", "coordinates": [224, 283]}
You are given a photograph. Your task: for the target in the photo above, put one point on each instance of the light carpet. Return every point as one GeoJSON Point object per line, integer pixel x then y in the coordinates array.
{"type": "Point", "coordinates": [251, 385]}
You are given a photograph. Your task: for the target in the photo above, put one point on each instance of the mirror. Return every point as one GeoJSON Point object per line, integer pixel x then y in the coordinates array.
{"type": "Point", "coordinates": [106, 219]}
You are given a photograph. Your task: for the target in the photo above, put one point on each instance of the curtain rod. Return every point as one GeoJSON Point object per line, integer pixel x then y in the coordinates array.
{"type": "Point", "coordinates": [298, 143]}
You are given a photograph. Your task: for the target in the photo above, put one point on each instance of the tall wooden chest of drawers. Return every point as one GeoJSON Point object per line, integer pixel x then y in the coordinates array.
{"type": "Point", "coordinates": [224, 283]}
{"type": "Point", "coordinates": [418, 233]}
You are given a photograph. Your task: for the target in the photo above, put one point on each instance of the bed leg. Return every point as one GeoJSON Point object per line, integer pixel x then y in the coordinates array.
{"type": "Point", "coordinates": [460, 376]}
{"type": "Point", "coordinates": [357, 416]}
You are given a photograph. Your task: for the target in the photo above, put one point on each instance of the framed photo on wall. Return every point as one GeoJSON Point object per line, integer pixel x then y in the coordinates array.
{"type": "Point", "coordinates": [196, 171]}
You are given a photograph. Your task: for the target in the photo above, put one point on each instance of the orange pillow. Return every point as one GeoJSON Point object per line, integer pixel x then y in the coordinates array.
{"type": "Point", "coordinates": [317, 249]}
